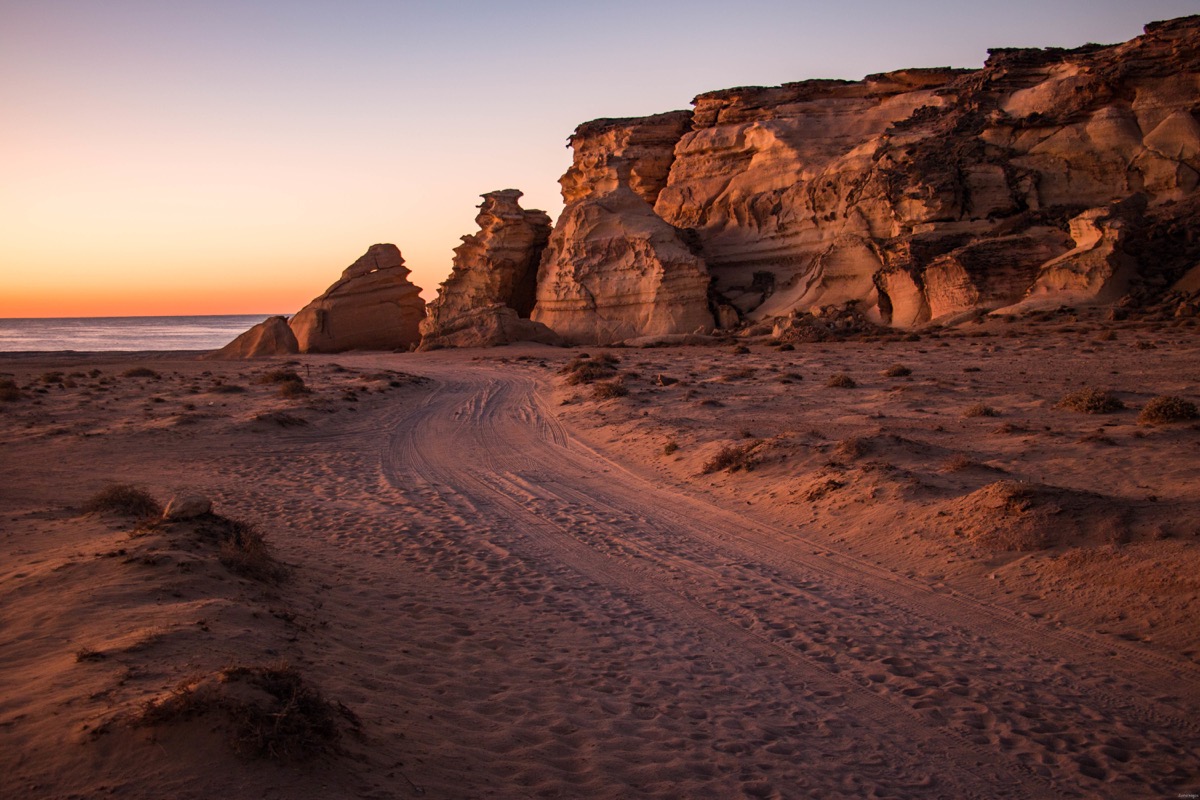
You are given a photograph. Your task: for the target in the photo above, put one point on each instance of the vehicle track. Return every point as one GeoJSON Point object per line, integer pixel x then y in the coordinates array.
{"type": "Point", "coordinates": [1041, 711]}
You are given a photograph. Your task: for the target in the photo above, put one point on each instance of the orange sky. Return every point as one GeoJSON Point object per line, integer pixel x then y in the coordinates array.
{"type": "Point", "coordinates": [231, 157]}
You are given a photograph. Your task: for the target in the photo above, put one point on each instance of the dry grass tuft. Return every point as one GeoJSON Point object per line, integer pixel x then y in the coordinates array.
{"type": "Point", "coordinates": [670, 447]}
{"type": "Point", "coordinates": [841, 381]}
{"type": "Point", "coordinates": [733, 457]}
{"type": "Point", "coordinates": [897, 371]}
{"type": "Point", "coordinates": [273, 715]}
{"type": "Point", "coordinates": [609, 390]}
{"type": "Point", "coordinates": [980, 410]}
{"type": "Point", "coordinates": [585, 369]}
{"type": "Point", "coordinates": [126, 500]}
{"type": "Point", "coordinates": [1091, 401]}
{"type": "Point", "coordinates": [243, 549]}
{"type": "Point", "coordinates": [1165, 409]}
{"type": "Point", "coordinates": [280, 418]}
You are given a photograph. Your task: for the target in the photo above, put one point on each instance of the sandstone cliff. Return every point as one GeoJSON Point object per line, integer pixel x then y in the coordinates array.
{"type": "Point", "coordinates": [918, 194]}
{"type": "Point", "coordinates": [373, 306]}
{"type": "Point", "coordinates": [614, 270]}
{"type": "Point", "coordinates": [491, 290]}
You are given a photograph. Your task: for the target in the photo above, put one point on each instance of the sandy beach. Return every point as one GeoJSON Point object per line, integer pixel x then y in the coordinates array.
{"type": "Point", "coordinates": [675, 572]}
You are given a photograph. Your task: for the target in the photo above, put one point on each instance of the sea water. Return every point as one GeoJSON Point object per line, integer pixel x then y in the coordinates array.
{"type": "Point", "coordinates": [123, 333]}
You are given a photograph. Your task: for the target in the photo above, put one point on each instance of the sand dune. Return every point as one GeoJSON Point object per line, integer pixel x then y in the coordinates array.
{"type": "Point", "coordinates": [505, 584]}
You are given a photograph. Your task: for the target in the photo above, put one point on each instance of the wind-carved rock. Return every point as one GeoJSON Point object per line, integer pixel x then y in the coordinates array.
{"type": "Point", "coordinates": [919, 194]}
{"type": "Point", "coordinates": [373, 306]}
{"type": "Point", "coordinates": [614, 270]}
{"type": "Point", "coordinates": [271, 337]}
{"type": "Point", "coordinates": [492, 287]}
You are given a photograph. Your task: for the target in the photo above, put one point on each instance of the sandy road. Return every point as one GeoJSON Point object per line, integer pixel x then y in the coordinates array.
{"type": "Point", "coordinates": [746, 661]}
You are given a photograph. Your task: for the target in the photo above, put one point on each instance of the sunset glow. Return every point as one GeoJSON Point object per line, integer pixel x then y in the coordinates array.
{"type": "Point", "coordinates": [229, 157]}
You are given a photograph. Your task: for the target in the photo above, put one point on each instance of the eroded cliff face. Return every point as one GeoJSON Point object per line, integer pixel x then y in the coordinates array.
{"type": "Point", "coordinates": [614, 270]}
{"type": "Point", "coordinates": [373, 306]}
{"type": "Point", "coordinates": [489, 296]}
{"type": "Point", "coordinates": [918, 194]}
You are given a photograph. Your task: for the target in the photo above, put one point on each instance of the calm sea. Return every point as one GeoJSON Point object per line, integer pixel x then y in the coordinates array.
{"type": "Point", "coordinates": [123, 333]}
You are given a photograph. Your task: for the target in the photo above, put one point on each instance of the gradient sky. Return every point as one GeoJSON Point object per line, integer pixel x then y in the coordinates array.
{"type": "Point", "coordinates": [208, 157]}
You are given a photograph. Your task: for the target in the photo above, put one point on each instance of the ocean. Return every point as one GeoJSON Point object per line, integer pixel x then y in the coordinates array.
{"type": "Point", "coordinates": [123, 333]}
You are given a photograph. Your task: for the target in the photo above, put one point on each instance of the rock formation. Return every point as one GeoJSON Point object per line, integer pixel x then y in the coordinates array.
{"type": "Point", "coordinates": [491, 290]}
{"type": "Point", "coordinates": [613, 269]}
{"type": "Point", "coordinates": [918, 194]}
{"type": "Point", "coordinates": [271, 337]}
{"type": "Point", "coordinates": [372, 307]}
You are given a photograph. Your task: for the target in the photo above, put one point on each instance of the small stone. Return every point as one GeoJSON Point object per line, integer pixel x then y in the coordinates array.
{"type": "Point", "coordinates": [187, 506]}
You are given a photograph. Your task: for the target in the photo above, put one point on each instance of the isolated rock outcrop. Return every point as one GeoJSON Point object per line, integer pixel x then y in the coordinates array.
{"type": "Point", "coordinates": [373, 306]}
{"type": "Point", "coordinates": [919, 194]}
{"type": "Point", "coordinates": [271, 337]}
{"type": "Point", "coordinates": [492, 287]}
{"type": "Point", "coordinates": [614, 270]}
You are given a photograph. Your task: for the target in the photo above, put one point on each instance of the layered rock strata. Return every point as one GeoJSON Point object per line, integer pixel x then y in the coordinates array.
{"type": "Point", "coordinates": [614, 270]}
{"type": "Point", "coordinates": [918, 194]}
{"type": "Point", "coordinates": [489, 296]}
{"type": "Point", "coordinates": [373, 306]}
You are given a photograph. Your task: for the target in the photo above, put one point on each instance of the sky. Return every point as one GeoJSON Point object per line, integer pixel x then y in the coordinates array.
{"type": "Point", "coordinates": [163, 157]}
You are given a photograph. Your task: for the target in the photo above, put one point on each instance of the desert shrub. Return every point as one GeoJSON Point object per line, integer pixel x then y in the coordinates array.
{"type": "Point", "coordinates": [958, 463]}
{"type": "Point", "coordinates": [739, 374]}
{"type": "Point", "coordinates": [1091, 401]}
{"type": "Point", "coordinates": [897, 371]}
{"type": "Point", "coordinates": [588, 370]}
{"type": "Point", "coordinates": [9, 391]}
{"type": "Point", "coordinates": [126, 500]}
{"type": "Point", "coordinates": [52, 377]}
{"type": "Point", "coordinates": [294, 388]}
{"type": "Point", "coordinates": [87, 654]}
{"type": "Point", "coordinates": [243, 549]}
{"type": "Point", "coordinates": [841, 381]}
{"type": "Point", "coordinates": [280, 418]}
{"type": "Point", "coordinates": [609, 390]}
{"type": "Point", "coordinates": [786, 347]}
{"type": "Point", "coordinates": [980, 410]}
{"type": "Point", "coordinates": [852, 448]}
{"type": "Point", "coordinates": [733, 457]}
{"type": "Point", "coordinates": [1164, 409]}
{"type": "Point", "coordinates": [670, 447]}
{"type": "Point", "coordinates": [741, 350]}
{"type": "Point", "coordinates": [140, 372]}
{"type": "Point", "coordinates": [228, 388]}
{"type": "Point", "coordinates": [284, 720]}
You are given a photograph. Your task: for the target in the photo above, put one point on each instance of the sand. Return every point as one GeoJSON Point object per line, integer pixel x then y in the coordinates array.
{"type": "Point", "coordinates": [504, 587]}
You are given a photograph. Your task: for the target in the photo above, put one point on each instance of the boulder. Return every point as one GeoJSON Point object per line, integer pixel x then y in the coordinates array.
{"type": "Point", "coordinates": [373, 306]}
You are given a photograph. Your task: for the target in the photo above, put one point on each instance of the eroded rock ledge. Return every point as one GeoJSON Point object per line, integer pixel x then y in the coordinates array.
{"type": "Point", "coordinates": [488, 298]}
